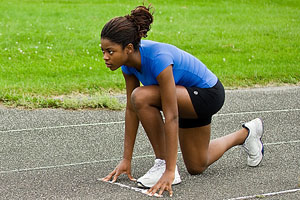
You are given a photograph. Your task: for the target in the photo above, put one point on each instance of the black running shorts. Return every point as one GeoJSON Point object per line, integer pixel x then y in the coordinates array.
{"type": "Point", "coordinates": [206, 102]}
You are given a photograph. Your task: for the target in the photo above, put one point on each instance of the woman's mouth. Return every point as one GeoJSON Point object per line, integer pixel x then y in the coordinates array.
{"type": "Point", "coordinates": [108, 65]}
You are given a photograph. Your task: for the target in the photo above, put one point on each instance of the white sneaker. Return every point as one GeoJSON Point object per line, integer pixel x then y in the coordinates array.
{"type": "Point", "coordinates": [154, 174]}
{"type": "Point", "coordinates": [253, 144]}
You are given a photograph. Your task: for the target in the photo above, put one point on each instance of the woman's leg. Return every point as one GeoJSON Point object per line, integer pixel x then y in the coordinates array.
{"type": "Point", "coordinates": [199, 152]}
{"type": "Point", "coordinates": [197, 149]}
{"type": "Point", "coordinates": [146, 101]}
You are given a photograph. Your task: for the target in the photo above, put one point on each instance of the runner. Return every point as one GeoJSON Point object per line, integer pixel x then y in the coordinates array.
{"type": "Point", "coordinates": [184, 89]}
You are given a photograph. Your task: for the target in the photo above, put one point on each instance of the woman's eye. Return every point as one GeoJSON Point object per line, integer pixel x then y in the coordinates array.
{"type": "Point", "coordinates": [110, 52]}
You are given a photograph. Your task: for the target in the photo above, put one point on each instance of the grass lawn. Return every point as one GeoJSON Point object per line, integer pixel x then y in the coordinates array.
{"type": "Point", "coordinates": [49, 49]}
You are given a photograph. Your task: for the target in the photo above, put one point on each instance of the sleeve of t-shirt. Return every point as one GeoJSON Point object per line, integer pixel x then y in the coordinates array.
{"type": "Point", "coordinates": [126, 70]}
{"type": "Point", "coordinates": [161, 62]}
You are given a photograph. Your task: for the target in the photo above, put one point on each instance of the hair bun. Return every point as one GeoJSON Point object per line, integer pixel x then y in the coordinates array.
{"type": "Point", "coordinates": [130, 28]}
{"type": "Point", "coordinates": [142, 19]}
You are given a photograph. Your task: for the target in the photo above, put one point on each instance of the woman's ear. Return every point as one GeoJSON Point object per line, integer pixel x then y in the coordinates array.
{"type": "Point", "coordinates": [129, 48]}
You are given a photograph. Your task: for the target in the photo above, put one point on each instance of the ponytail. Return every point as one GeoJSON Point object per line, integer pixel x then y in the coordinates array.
{"type": "Point", "coordinates": [130, 28]}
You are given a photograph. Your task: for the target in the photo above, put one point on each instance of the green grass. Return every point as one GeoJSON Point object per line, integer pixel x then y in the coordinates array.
{"type": "Point", "coordinates": [51, 48]}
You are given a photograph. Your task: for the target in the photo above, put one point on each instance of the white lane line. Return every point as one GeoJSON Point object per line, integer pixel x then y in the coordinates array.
{"type": "Point", "coordinates": [56, 166]}
{"type": "Point", "coordinates": [120, 122]}
{"type": "Point", "coordinates": [110, 160]}
{"type": "Point", "coordinates": [65, 126]}
{"type": "Point", "coordinates": [259, 112]}
{"type": "Point", "coordinates": [266, 194]}
{"type": "Point", "coordinates": [278, 143]}
{"type": "Point", "coordinates": [70, 164]}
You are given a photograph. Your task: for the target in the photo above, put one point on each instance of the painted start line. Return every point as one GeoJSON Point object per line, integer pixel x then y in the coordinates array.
{"type": "Point", "coordinates": [144, 191]}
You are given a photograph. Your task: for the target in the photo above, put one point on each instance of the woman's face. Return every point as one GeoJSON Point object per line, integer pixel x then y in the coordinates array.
{"type": "Point", "coordinates": [113, 54]}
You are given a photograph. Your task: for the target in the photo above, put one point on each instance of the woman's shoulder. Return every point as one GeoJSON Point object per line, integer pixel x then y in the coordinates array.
{"type": "Point", "coordinates": [153, 48]}
{"type": "Point", "coordinates": [151, 44]}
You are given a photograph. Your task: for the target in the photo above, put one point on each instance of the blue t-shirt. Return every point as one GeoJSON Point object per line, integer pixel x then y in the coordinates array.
{"type": "Point", "coordinates": [187, 70]}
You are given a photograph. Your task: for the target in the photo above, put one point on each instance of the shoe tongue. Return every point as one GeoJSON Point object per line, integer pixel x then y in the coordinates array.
{"type": "Point", "coordinates": [159, 162]}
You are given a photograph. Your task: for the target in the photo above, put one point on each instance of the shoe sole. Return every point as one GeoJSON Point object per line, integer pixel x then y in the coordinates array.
{"type": "Point", "coordinates": [141, 185]}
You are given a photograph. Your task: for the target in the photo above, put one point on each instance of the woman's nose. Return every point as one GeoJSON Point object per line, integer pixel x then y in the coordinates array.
{"type": "Point", "coordinates": [105, 56]}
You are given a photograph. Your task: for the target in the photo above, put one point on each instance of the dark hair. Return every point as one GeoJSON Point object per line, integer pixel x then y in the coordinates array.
{"type": "Point", "coordinates": [130, 28]}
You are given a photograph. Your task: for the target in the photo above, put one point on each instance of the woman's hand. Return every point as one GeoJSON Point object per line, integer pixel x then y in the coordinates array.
{"type": "Point", "coordinates": [124, 167]}
{"type": "Point", "coordinates": [163, 184]}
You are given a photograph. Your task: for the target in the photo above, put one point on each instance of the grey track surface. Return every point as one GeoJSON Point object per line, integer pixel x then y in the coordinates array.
{"type": "Point", "coordinates": [59, 154]}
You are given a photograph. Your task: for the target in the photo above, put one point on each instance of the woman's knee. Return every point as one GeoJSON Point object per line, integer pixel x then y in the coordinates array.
{"type": "Point", "coordinates": [195, 167]}
{"type": "Point", "coordinates": [196, 170]}
{"type": "Point", "coordinates": [143, 96]}
{"type": "Point", "coordinates": [138, 98]}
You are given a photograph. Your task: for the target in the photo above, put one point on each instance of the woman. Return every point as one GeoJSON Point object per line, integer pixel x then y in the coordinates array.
{"type": "Point", "coordinates": [184, 89]}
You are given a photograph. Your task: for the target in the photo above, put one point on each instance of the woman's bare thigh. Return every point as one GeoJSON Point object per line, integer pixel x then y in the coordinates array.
{"type": "Point", "coordinates": [151, 95]}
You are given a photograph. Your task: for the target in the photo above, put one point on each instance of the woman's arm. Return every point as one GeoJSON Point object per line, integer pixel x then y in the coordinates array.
{"type": "Point", "coordinates": [131, 126]}
{"type": "Point", "coordinates": [131, 119]}
{"type": "Point", "coordinates": [170, 109]}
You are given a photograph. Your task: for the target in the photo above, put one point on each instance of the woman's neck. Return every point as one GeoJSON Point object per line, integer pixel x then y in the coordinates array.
{"type": "Point", "coordinates": [134, 60]}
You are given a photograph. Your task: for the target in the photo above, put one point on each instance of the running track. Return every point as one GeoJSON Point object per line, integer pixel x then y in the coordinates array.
{"type": "Point", "coordinates": [58, 154]}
